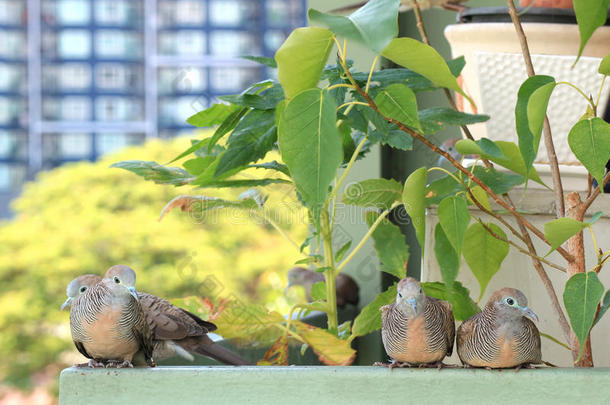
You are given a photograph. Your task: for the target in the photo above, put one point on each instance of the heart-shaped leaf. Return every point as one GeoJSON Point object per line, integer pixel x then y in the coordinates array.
{"type": "Point", "coordinates": [374, 24]}
{"type": "Point", "coordinates": [413, 198]}
{"type": "Point", "coordinates": [310, 144]}
{"type": "Point", "coordinates": [397, 101]}
{"type": "Point", "coordinates": [604, 66]}
{"type": "Point", "coordinates": [589, 139]}
{"type": "Point", "coordinates": [559, 230]}
{"type": "Point", "coordinates": [447, 258]}
{"type": "Point", "coordinates": [378, 193]}
{"type": "Point", "coordinates": [459, 297]}
{"type": "Point", "coordinates": [454, 217]}
{"type": "Point", "coordinates": [302, 57]}
{"type": "Point", "coordinates": [590, 15]}
{"type": "Point", "coordinates": [390, 245]}
{"type": "Point", "coordinates": [580, 297]}
{"type": "Point", "coordinates": [369, 319]}
{"type": "Point", "coordinates": [484, 253]}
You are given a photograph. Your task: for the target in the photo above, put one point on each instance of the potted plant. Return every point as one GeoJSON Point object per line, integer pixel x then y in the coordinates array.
{"type": "Point", "coordinates": [323, 117]}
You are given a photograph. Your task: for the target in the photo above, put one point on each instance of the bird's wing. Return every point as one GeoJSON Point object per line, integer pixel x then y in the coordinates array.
{"type": "Point", "coordinates": [81, 349]}
{"type": "Point", "coordinates": [448, 325]}
{"type": "Point", "coordinates": [167, 321]}
{"type": "Point", "coordinates": [143, 335]}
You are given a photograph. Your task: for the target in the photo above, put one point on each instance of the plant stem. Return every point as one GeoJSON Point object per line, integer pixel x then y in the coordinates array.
{"type": "Point", "coordinates": [329, 274]}
{"type": "Point", "coordinates": [548, 138]}
{"type": "Point", "coordinates": [277, 227]}
{"type": "Point", "coordinates": [580, 91]}
{"type": "Point", "coordinates": [366, 237]}
{"type": "Point", "coordinates": [335, 190]}
{"type": "Point", "coordinates": [599, 93]}
{"type": "Point", "coordinates": [336, 86]}
{"type": "Point", "coordinates": [351, 103]}
{"type": "Point", "coordinates": [368, 81]}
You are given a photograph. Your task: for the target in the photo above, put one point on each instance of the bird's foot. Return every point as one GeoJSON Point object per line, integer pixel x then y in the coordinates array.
{"type": "Point", "coordinates": [525, 365]}
{"type": "Point", "coordinates": [392, 365]}
{"type": "Point", "coordinates": [91, 364]}
{"type": "Point", "coordinates": [119, 364]}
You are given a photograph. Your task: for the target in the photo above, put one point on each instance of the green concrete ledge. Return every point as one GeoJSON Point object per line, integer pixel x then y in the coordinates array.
{"type": "Point", "coordinates": [332, 385]}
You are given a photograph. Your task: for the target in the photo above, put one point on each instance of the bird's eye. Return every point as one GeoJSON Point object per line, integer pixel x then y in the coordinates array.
{"type": "Point", "coordinates": [117, 280]}
{"type": "Point", "coordinates": [400, 295]}
{"type": "Point", "coordinates": [420, 291]}
{"type": "Point", "coordinates": [510, 301]}
{"type": "Point", "coordinates": [450, 149]}
{"type": "Point", "coordinates": [83, 289]}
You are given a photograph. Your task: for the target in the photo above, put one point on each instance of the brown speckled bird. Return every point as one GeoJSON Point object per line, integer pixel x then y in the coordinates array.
{"type": "Point", "coordinates": [416, 329]}
{"type": "Point", "coordinates": [346, 287]}
{"type": "Point", "coordinates": [501, 336]}
{"type": "Point", "coordinates": [107, 322]}
{"type": "Point", "coordinates": [175, 332]}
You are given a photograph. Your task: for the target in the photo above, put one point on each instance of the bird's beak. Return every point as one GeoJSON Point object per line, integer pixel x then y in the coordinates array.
{"type": "Point", "coordinates": [132, 291]}
{"type": "Point", "coordinates": [66, 304]}
{"type": "Point", "coordinates": [413, 304]}
{"type": "Point", "coordinates": [529, 313]}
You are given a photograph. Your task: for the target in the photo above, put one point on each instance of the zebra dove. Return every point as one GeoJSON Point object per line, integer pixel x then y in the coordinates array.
{"type": "Point", "coordinates": [416, 329]}
{"type": "Point", "coordinates": [108, 324]}
{"type": "Point", "coordinates": [346, 287]}
{"type": "Point", "coordinates": [175, 332]}
{"type": "Point", "coordinates": [501, 336]}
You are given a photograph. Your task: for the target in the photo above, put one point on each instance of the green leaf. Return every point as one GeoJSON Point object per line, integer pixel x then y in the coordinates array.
{"type": "Point", "coordinates": [434, 119]}
{"type": "Point", "coordinates": [248, 200]}
{"type": "Point", "coordinates": [253, 137]}
{"type": "Point", "coordinates": [511, 156]}
{"type": "Point", "coordinates": [310, 144]}
{"type": "Point", "coordinates": [266, 100]}
{"type": "Point", "coordinates": [590, 15]}
{"type": "Point", "coordinates": [214, 115]}
{"type": "Point", "coordinates": [239, 183]}
{"type": "Point", "coordinates": [342, 251]}
{"type": "Point", "coordinates": [263, 60]}
{"type": "Point", "coordinates": [397, 101]}
{"type": "Point", "coordinates": [454, 217]}
{"type": "Point", "coordinates": [156, 172]}
{"type": "Point", "coordinates": [318, 291]}
{"type": "Point", "coordinates": [369, 319]}
{"type": "Point", "coordinates": [532, 101]}
{"type": "Point", "coordinates": [603, 307]}
{"type": "Point", "coordinates": [559, 230]}
{"type": "Point", "coordinates": [422, 59]}
{"type": "Point", "coordinates": [273, 165]}
{"type": "Point", "coordinates": [227, 126]}
{"type": "Point", "coordinates": [301, 59]}
{"type": "Point", "coordinates": [378, 193]}
{"type": "Point", "coordinates": [447, 258]}
{"type": "Point", "coordinates": [413, 198]}
{"type": "Point", "coordinates": [459, 298]}
{"type": "Point", "coordinates": [484, 253]}
{"type": "Point", "coordinates": [604, 66]}
{"type": "Point", "coordinates": [390, 245]}
{"type": "Point", "coordinates": [580, 297]}
{"type": "Point", "coordinates": [197, 165]}
{"type": "Point", "coordinates": [480, 196]}
{"type": "Point", "coordinates": [590, 142]}
{"type": "Point", "coordinates": [392, 137]}
{"type": "Point", "coordinates": [374, 25]}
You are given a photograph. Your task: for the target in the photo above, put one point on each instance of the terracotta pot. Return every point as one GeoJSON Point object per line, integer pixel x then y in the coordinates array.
{"type": "Point", "coordinates": [547, 3]}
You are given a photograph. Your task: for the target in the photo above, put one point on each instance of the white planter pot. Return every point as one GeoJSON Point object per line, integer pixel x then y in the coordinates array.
{"type": "Point", "coordinates": [494, 71]}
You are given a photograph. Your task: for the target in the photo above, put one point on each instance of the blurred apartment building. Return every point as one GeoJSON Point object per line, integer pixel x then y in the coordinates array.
{"type": "Point", "coordinates": [80, 78]}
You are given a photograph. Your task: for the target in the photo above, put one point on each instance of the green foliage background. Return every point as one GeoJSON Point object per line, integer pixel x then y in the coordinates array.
{"type": "Point", "coordinates": [84, 217]}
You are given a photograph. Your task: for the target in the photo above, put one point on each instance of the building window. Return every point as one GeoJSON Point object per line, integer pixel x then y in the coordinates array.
{"type": "Point", "coordinates": [175, 110]}
{"type": "Point", "coordinates": [72, 146]}
{"type": "Point", "coordinates": [11, 111]}
{"type": "Point", "coordinates": [71, 76]}
{"type": "Point", "coordinates": [13, 44]}
{"type": "Point", "coordinates": [233, 43]}
{"type": "Point", "coordinates": [75, 109]}
{"type": "Point", "coordinates": [117, 109]}
{"type": "Point", "coordinates": [231, 13]}
{"type": "Point", "coordinates": [12, 176]}
{"type": "Point", "coordinates": [12, 77]}
{"type": "Point", "coordinates": [74, 44]}
{"type": "Point", "coordinates": [73, 12]}
{"type": "Point", "coordinates": [229, 80]}
{"type": "Point", "coordinates": [13, 145]}
{"type": "Point", "coordinates": [282, 13]}
{"type": "Point", "coordinates": [182, 80]}
{"type": "Point", "coordinates": [114, 76]}
{"type": "Point", "coordinates": [111, 12]}
{"type": "Point", "coordinates": [189, 12]}
{"type": "Point", "coordinates": [12, 11]}
{"type": "Point", "coordinates": [184, 43]}
{"type": "Point", "coordinates": [115, 43]}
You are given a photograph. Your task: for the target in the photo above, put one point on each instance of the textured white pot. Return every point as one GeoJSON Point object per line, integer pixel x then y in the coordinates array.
{"type": "Point", "coordinates": [495, 70]}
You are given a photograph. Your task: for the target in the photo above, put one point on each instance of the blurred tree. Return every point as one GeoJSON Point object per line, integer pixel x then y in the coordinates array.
{"type": "Point", "coordinates": [85, 217]}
